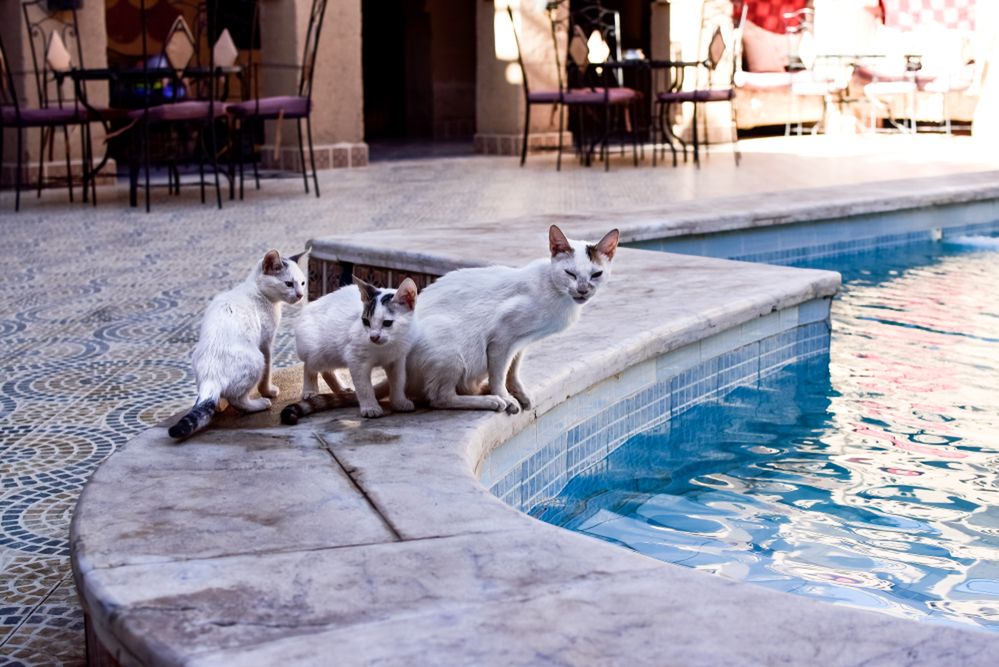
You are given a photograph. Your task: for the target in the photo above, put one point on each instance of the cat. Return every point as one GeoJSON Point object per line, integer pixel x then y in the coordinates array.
{"type": "Point", "coordinates": [233, 353]}
{"type": "Point", "coordinates": [357, 327]}
{"type": "Point", "coordinates": [475, 324]}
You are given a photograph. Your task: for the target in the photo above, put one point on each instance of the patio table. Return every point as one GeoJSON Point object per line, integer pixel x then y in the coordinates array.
{"type": "Point", "coordinates": [132, 76]}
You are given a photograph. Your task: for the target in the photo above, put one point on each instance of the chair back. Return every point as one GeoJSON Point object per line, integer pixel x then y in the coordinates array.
{"type": "Point", "coordinates": [552, 9]}
{"type": "Point", "coordinates": [311, 48]}
{"type": "Point", "coordinates": [594, 37]}
{"type": "Point", "coordinates": [720, 43]}
{"type": "Point", "coordinates": [8, 93]}
{"type": "Point", "coordinates": [184, 45]}
{"type": "Point", "coordinates": [54, 41]}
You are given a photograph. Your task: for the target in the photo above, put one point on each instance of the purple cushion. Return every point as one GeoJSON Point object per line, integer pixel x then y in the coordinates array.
{"type": "Point", "coordinates": [180, 111]}
{"type": "Point", "coordinates": [544, 97]}
{"type": "Point", "coordinates": [41, 117]}
{"type": "Point", "coordinates": [270, 107]}
{"type": "Point", "coordinates": [600, 95]}
{"type": "Point", "coordinates": [723, 95]}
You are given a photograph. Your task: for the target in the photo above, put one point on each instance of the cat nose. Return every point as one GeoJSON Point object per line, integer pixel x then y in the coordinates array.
{"type": "Point", "coordinates": [583, 290]}
{"type": "Point", "coordinates": [375, 337]}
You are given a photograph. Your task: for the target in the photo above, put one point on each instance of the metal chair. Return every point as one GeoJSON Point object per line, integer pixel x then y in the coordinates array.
{"type": "Point", "coordinates": [48, 36]}
{"type": "Point", "coordinates": [181, 48]}
{"type": "Point", "coordinates": [567, 96]}
{"type": "Point", "coordinates": [714, 16]}
{"type": "Point", "coordinates": [286, 107]}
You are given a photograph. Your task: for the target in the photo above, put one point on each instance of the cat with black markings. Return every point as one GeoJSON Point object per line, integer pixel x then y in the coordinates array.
{"type": "Point", "coordinates": [233, 353]}
{"type": "Point", "coordinates": [358, 327]}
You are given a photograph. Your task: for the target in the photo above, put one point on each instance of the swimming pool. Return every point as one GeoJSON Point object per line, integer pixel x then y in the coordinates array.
{"type": "Point", "coordinates": [869, 477]}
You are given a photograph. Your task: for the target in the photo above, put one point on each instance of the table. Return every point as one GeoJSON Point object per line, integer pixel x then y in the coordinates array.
{"type": "Point", "coordinates": [132, 76]}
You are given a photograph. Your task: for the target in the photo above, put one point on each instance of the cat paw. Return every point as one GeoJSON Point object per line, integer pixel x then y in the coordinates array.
{"type": "Point", "coordinates": [372, 411]}
{"type": "Point", "coordinates": [523, 399]}
{"type": "Point", "coordinates": [512, 406]}
{"type": "Point", "coordinates": [403, 405]}
{"type": "Point", "coordinates": [269, 392]}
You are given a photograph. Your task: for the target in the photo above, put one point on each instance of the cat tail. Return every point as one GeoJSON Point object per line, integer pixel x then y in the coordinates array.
{"type": "Point", "coordinates": [199, 416]}
{"type": "Point", "coordinates": [318, 403]}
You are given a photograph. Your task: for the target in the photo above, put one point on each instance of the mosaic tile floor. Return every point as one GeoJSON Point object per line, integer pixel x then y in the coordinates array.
{"type": "Point", "coordinates": [100, 308]}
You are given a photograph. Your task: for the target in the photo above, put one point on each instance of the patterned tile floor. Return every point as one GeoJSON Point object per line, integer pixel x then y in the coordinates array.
{"type": "Point", "coordinates": [100, 307]}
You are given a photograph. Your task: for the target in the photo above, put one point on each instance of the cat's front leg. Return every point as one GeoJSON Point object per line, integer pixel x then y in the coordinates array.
{"type": "Point", "coordinates": [360, 375]}
{"type": "Point", "coordinates": [266, 389]}
{"type": "Point", "coordinates": [499, 357]}
{"type": "Point", "coordinates": [514, 385]}
{"type": "Point", "coordinates": [397, 387]}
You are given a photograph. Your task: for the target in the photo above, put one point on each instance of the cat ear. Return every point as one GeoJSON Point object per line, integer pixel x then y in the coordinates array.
{"type": "Point", "coordinates": [272, 263]}
{"type": "Point", "coordinates": [608, 244]}
{"type": "Point", "coordinates": [368, 292]}
{"type": "Point", "coordinates": [406, 294]}
{"type": "Point", "coordinates": [557, 242]}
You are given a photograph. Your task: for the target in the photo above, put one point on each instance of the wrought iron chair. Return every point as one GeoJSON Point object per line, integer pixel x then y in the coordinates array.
{"type": "Point", "coordinates": [285, 107]}
{"type": "Point", "coordinates": [594, 37]}
{"type": "Point", "coordinates": [181, 48]}
{"type": "Point", "coordinates": [715, 15]}
{"type": "Point", "coordinates": [48, 36]}
{"type": "Point", "coordinates": [566, 97]}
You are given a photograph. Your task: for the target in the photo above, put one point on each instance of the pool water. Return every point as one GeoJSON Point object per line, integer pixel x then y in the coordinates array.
{"type": "Point", "coordinates": [869, 477]}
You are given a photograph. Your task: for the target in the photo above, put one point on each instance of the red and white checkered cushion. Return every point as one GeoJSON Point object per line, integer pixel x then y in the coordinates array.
{"type": "Point", "coordinates": [910, 14]}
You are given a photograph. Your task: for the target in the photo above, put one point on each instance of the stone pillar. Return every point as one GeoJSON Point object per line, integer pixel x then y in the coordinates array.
{"type": "Point", "coordinates": [93, 38]}
{"type": "Point", "coordinates": [499, 91]}
{"type": "Point", "coordinates": [337, 91]}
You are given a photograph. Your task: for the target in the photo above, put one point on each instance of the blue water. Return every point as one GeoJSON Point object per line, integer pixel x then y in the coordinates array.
{"type": "Point", "coordinates": [868, 477]}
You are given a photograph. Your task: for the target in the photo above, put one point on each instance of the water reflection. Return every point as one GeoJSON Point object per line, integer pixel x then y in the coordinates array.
{"type": "Point", "coordinates": [866, 478]}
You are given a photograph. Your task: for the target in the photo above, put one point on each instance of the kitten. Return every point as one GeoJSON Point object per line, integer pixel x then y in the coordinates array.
{"type": "Point", "coordinates": [357, 327]}
{"type": "Point", "coordinates": [476, 323]}
{"type": "Point", "coordinates": [233, 354]}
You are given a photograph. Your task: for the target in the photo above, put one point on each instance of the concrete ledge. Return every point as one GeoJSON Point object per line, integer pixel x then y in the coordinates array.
{"type": "Point", "coordinates": [373, 540]}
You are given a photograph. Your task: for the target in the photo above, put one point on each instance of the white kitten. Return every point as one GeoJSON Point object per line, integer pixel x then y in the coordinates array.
{"type": "Point", "coordinates": [476, 323]}
{"type": "Point", "coordinates": [233, 354]}
{"type": "Point", "coordinates": [357, 327]}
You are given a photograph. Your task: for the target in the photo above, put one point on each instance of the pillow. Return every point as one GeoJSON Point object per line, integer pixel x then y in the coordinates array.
{"type": "Point", "coordinates": [765, 51]}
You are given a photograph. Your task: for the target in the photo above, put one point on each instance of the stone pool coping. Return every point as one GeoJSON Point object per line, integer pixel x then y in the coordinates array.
{"type": "Point", "coordinates": [678, 219]}
{"type": "Point", "coordinates": [373, 541]}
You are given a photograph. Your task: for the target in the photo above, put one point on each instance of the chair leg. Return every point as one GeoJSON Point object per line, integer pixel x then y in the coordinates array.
{"type": "Point", "coordinates": [19, 164]}
{"type": "Point", "coordinates": [215, 161]}
{"type": "Point", "coordinates": [301, 155]}
{"type": "Point", "coordinates": [133, 171]}
{"type": "Point", "coordinates": [735, 135]}
{"type": "Point", "coordinates": [527, 129]}
{"type": "Point", "coordinates": [201, 164]}
{"type": "Point", "coordinates": [145, 160]}
{"type": "Point", "coordinates": [634, 133]}
{"type": "Point", "coordinates": [69, 167]}
{"type": "Point", "coordinates": [85, 162]}
{"type": "Point", "coordinates": [697, 149]}
{"type": "Point", "coordinates": [41, 158]}
{"type": "Point", "coordinates": [256, 167]}
{"type": "Point", "coordinates": [312, 154]}
{"type": "Point", "coordinates": [603, 147]}
{"type": "Point", "coordinates": [561, 126]}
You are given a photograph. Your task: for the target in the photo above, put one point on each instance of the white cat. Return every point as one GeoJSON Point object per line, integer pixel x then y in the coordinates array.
{"type": "Point", "coordinates": [358, 327]}
{"type": "Point", "coordinates": [476, 323]}
{"type": "Point", "coordinates": [233, 354]}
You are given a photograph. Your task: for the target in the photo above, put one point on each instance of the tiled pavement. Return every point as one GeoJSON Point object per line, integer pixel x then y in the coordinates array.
{"type": "Point", "coordinates": [100, 307]}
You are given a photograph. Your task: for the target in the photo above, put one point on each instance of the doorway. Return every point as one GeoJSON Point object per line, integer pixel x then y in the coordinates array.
{"type": "Point", "coordinates": [418, 60]}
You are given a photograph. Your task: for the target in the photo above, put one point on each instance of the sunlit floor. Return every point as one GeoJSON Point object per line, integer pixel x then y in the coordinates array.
{"type": "Point", "coordinates": [100, 305]}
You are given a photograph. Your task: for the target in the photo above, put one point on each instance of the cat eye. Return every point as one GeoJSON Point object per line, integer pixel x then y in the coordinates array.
{"type": "Point", "coordinates": [366, 322]}
{"type": "Point", "coordinates": [289, 283]}
{"type": "Point", "coordinates": [596, 274]}
{"type": "Point", "coordinates": [387, 323]}
{"type": "Point", "coordinates": [571, 274]}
